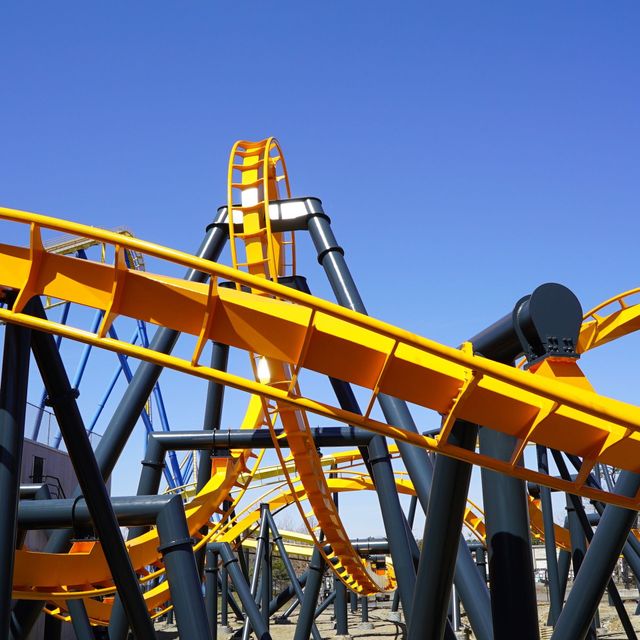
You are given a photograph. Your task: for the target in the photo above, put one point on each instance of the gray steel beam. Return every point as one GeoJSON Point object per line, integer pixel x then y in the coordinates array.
{"type": "Point", "coordinates": [211, 591]}
{"type": "Point", "coordinates": [63, 402]}
{"type": "Point", "coordinates": [443, 523]}
{"type": "Point", "coordinates": [555, 595]}
{"type": "Point", "coordinates": [257, 569]}
{"type": "Point", "coordinates": [267, 587]}
{"type": "Point", "coordinates": [473, 591]}
{"type": "Point", "coordinates": [68, 513]}
{"type": "Point", "coordinates": [242, 589]}
{"type": "Point", "coordinates": [13, 403]}
{"type": "Point", "coordinates": [311, 593]}
{"type": "Point", "coordinates": [213, 408]}
{"type": "Point", "coordinates": [340, 608]}
{"type": "Point", "coordinates": [182, 573]}
{"type": "Point", "coordinates": [295, 584]}
{"type": "Point", "coordinates": [80, 620]}
{"type": "Point", "coordinates": [513, 593]}
{"type": "Point", "coordinates": [597, 567]}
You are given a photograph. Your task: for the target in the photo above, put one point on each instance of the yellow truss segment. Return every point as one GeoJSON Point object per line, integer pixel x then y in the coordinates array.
{"type": "Point", "coordinates": [308, 334]}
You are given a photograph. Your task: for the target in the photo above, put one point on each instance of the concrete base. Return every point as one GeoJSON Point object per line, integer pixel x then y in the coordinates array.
{"type": "Point", "coordinates": [343, 637]}
{"type": "Point", "coordinates": [365, 626]}
{"type": "Point", "coordinates": [228, 630]}
{"type": "Point", "coordinates": [394, 616]}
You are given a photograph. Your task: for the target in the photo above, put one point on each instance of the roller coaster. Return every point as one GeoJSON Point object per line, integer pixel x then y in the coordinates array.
{"type": "Point", "coordinates": [503, 416]}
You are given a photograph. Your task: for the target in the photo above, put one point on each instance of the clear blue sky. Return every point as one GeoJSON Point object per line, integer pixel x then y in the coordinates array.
{"type": "Point", "coordinates": [466, 151]}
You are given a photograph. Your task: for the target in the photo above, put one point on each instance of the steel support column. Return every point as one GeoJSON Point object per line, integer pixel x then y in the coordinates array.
{"type": "Point", "coordinates": [473, 591]}
{"type": "Point", "coordinates": [340, 608]}
{"type": "Point", "coordinates": [549, 541]}
{"type": "Point", "coordinates": [310, 600]}
{"type": "Point", "coordinates": [211, 591]}
{"type": "Point", "coordinates": [13, 403]}
{"type": "Point", "coordinates": [80, 620]}
{"type": "Point", "coordinates": [62, 400]}
{"type": "Point", "coordinates": [182, 574]}
{"type": "Point", "coordinates": [443, 523]}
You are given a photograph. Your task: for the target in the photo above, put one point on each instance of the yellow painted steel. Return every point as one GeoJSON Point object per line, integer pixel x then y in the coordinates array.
{"type": "Point", "coordinates": [321, 336]}
{"type": "Point", "coordinates": [258, 186]}
{"type": "Point", "coordinates": [293, 331]}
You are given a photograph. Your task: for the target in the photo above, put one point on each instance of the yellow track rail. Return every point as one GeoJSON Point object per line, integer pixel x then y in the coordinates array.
{"type": "Point", "coordinates": [258, 185]}
{"type": "Point", "coordinates": [324, 337]}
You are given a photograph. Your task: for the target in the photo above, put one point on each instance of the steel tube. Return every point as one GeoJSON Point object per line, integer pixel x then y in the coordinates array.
{"type": "Point", "coordinates": [473, 592]}
{"type": "Point", "coordinates": [80, 620]}
{"type": "Point", "coordinates": [443, 523]}
{"type": "Point", "coordinates": [310, 600]}
{"type": "Point", "coordinates": [340, 608]}
{"type": "Point", "coordinates": [211, 591]}
{"type": "Point", "coordinates": [84, 462]}
{"type": "Point", "coordinates": [297, 589]}
{"type": "Point", "coordinates": [555, 595]}
{"type": "Point", "coordinates": [242, 589]}
{"type": "Point", "coordinates": [182, 574]}
{"type": "Point", "coordinates": [13, 403]}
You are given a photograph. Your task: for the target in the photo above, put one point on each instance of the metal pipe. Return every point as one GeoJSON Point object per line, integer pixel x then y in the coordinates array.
{"type": "Point", "coordinates": [267, 586]}
{"type": "Point", "coordinates": [287, 593]}
{"type": "Point", "coordinates": [80, 620]}
{"type": "Point", "coordinates": [213, 408]}
{"type": "Point", "coordinates": [211, 591]}
{"type": "Point", "coordinates": [68, 513]}
{"type": "Point", "coordinates": [340, 608]}
{"type": "Point", "coordinates": [473, 591]}
{"type": "Point", "coordinates": [286, 561]}
{"type": "Point", "coordinates": [182, 574]}
{"type": "Point", "coordinates": [13, 404]}
{"type": "Point", "coordinates": [310, 600]}
{"type": "Point", "coordinates": [599, 562]}
{"type": "Point", "coordinates": [443, 523]}
{"type": "Point", "coordinates": [43, 397]}
{"type": "Point", "coordinates": [62, 399]}
{"type": "Point", "coordinates": [257, 566]}
{"type": "Point", "coordinates": [549, 540]}
{"type": "Point", "coordinates": [327, 602]}
{"type": "Point", "coordinates": [242, 589]}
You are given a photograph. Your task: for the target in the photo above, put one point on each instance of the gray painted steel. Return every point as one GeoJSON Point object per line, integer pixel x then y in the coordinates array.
{"type": "Point", "coordinates": [182, 573]}
{"type": "Point", "coordinates": [443, 523]}
{"type": "Point", "coordinates": [13, 403]}
{"type": "Point", "coordinates": [211, 591]}
{"type": "Point", "coordinates": [242, 589]}
{"type": "Point", "coordinates": [340, 608]}
{"type": "Point", "coordinates": [80, 620]}
{"type": "Point", "coordinates": [473, 591]}
{"type": "Point", "coordinates": [311, 593]}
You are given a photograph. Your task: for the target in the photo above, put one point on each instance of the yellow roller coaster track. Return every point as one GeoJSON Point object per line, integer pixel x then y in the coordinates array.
{"type": "Point", "coordinates": [258, 186]}
{"type": "Point", "coordinates": [324, 337]}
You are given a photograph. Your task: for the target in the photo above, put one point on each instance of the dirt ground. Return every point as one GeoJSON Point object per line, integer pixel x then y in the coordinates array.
{"type": "Point", "coordinates": [386, 629]}
{"type": "Point", "coordinates": [383, 628]}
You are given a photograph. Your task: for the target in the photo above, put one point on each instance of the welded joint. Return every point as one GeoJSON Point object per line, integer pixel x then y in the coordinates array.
{"type": "Point", "coordinates": [176, 543]}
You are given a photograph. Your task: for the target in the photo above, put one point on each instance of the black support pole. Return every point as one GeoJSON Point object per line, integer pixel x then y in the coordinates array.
{"type": "Point", "coordinates": [266, 591]}
{"type": "Point", "coordinates": [473, 591]}
{"type": "Point", "coordinates": [295, 584]}
{"type": "Point", "coordinates": [211, 591]}
{"type": "Point", "coordinates": [80, 620]}
{"type": "Point", "coordinates": [598, 564]}
{"type": "Point", "coordinates": [182, 574]}
{"type": "Point", "coordinates": [340, 608]}
{"type": "Point", "coordinates": [242, 589]}
{"type": "Point", "coordinates": [13, 403]}
{"type": "Point", "coordinates": [443, 523]}
{"type": "Point", "coordinates": [311, 593]}
{"type": "Point", "coordinates": [549, 541]}
{"type": "Point", "coordinates": [62, 400]}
